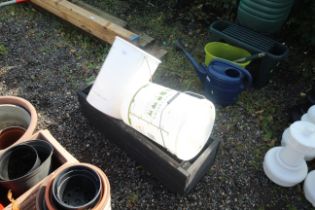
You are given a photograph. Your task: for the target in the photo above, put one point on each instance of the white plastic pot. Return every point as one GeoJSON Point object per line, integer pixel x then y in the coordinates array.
{"type": "Point", "coordinates": [181, 122]}
{"type": "Point", "coordinates": [286, 165]}
{"type": "Point", "coordinates": [307, 117]}
{"type": "Point", "coordinates": [309, 187]}
{"type": "Point", "coordinates": [125, 70]}
{"type": "Point", "coordinates": [310, 115]}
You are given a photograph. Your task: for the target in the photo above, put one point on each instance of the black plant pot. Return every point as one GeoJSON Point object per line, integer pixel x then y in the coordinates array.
{"type": "Point", "coordinates": [17, 164]}
{"type": "Point", "coordinates": [77, 187]}
{"type": "Point", "coordinates": [45, 152]}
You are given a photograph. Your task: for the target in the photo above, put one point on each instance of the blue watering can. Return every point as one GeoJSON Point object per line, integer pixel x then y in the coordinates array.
{"type": "Point", "coordinates": [223, 80]}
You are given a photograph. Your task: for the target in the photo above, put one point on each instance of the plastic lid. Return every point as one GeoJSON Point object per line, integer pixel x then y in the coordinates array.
{"type": "Point", "coordinates": [309, 187]}
{"type": "Point", "coordinates": [303, 134]}
{"type": "Point", "coordinates": [279, 172]}
{"type": "Point", "coordinates": [310, 115]}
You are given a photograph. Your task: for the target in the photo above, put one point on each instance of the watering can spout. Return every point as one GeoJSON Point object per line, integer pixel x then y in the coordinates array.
{"type": "Point", "coordinates": [200, 69]}
{"type": "Point", "coordinates": [223, 80]}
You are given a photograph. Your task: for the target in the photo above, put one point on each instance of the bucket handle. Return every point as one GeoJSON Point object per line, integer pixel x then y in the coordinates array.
{"type": "Point", "coordinates": [195, 94]}
{"type": "Point", "coordinates": [162, 114]}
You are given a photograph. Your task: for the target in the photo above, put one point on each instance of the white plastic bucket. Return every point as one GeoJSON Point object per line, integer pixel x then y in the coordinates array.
{"type": "Point", "coordinates": [309, 116]}
{"type": "Point", "coordinates": [181, 122]}
{"type": "Point", "coordinates": [309, 187]}
{"type": "Point", "coordinates": [125, 70]}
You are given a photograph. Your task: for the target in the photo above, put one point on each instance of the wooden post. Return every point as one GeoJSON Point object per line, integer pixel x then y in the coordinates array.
{"type": "Point", "coordinates": [86, 20]}
{"type": "Point", "coordinates": [92, 21]}
{"type": "Point", "coordinates": [100, 13]}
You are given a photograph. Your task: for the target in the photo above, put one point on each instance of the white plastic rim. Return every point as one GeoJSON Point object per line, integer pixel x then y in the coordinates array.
{"type": "Point", "coordinates": [125, 70]}
{"type": "Point", "coordinates": [180, 122]}
{"type": "Point", "coordinates": [309, 187]}
{"type": "Point", "coordinates": [301, 136]}
{"type": "Point", "coordinates": [284, 140]}
{"type": "Point", "coordinates": [307, 117]}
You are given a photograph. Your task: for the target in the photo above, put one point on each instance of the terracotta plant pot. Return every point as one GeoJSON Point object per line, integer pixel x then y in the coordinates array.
{"type": "Point", "coordinates": [103, 202]}
{"type": "Point", "coordinates": [18, 120]}
{"type": "Point", "coordinates": [40, 198]}
{"type": "Point", "coordinates": [49, 204]}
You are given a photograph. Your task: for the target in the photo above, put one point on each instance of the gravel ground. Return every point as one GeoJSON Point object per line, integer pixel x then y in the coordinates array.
{"type": "Point", "coordinates": [47, 61]}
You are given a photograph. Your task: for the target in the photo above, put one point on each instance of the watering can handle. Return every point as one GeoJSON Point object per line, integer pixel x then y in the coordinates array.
{"type": "Point", "coordinates": [248, 78]}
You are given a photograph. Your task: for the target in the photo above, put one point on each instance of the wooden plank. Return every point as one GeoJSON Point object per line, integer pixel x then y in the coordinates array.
{"type": "Point", "coordinates": [100, 13]}
{"type": "Point", "coordinates": [96, 25]}
{"type": "Point", "coordinates": [145, 40]}
{"type": "Point", "coordinates": [149, 44]}
{"type": "Point", "coordinates": [86, 20]}
{"type": "Point", "coordinates": [156, 50]}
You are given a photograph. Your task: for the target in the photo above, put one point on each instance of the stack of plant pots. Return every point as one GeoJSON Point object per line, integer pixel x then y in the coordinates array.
{"type": "Point", "coordinates": [78, 186]}
{"type": "Point", "coordinates": [24, 165]}
{"type": "Point", "coordinates": [34, 164]}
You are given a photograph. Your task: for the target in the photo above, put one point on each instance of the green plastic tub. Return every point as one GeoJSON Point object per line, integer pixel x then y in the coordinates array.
{"type": "Point", "coordinates": [225, 51]}
{"type": "Point", "coordinates": [264, 16]}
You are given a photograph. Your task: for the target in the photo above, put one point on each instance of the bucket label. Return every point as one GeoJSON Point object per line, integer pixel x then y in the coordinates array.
{"type": "Point", "coordinates": [146, 111]}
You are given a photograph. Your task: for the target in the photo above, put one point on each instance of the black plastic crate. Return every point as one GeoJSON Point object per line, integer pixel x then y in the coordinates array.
{"type": "Point", "coordinates": [253, 42]}
{"type": "Point", "coordinates": [178, 176]}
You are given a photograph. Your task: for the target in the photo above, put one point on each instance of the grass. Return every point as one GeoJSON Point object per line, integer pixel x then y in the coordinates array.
{"type": "Point", "coordinates": [291, 207]}
{"type": "Point", "coordinates": [3, 49]}
{"type": "Point", "coordinates": [265, 109]}
{"type": "Point", "coordinates": [268, 113]}
{"type": "Point", "coordinates": [132, 200]}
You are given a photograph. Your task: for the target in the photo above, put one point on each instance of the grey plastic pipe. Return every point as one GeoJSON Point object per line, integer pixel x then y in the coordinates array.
{"type": "Point", "coordinates": [2, 4]}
